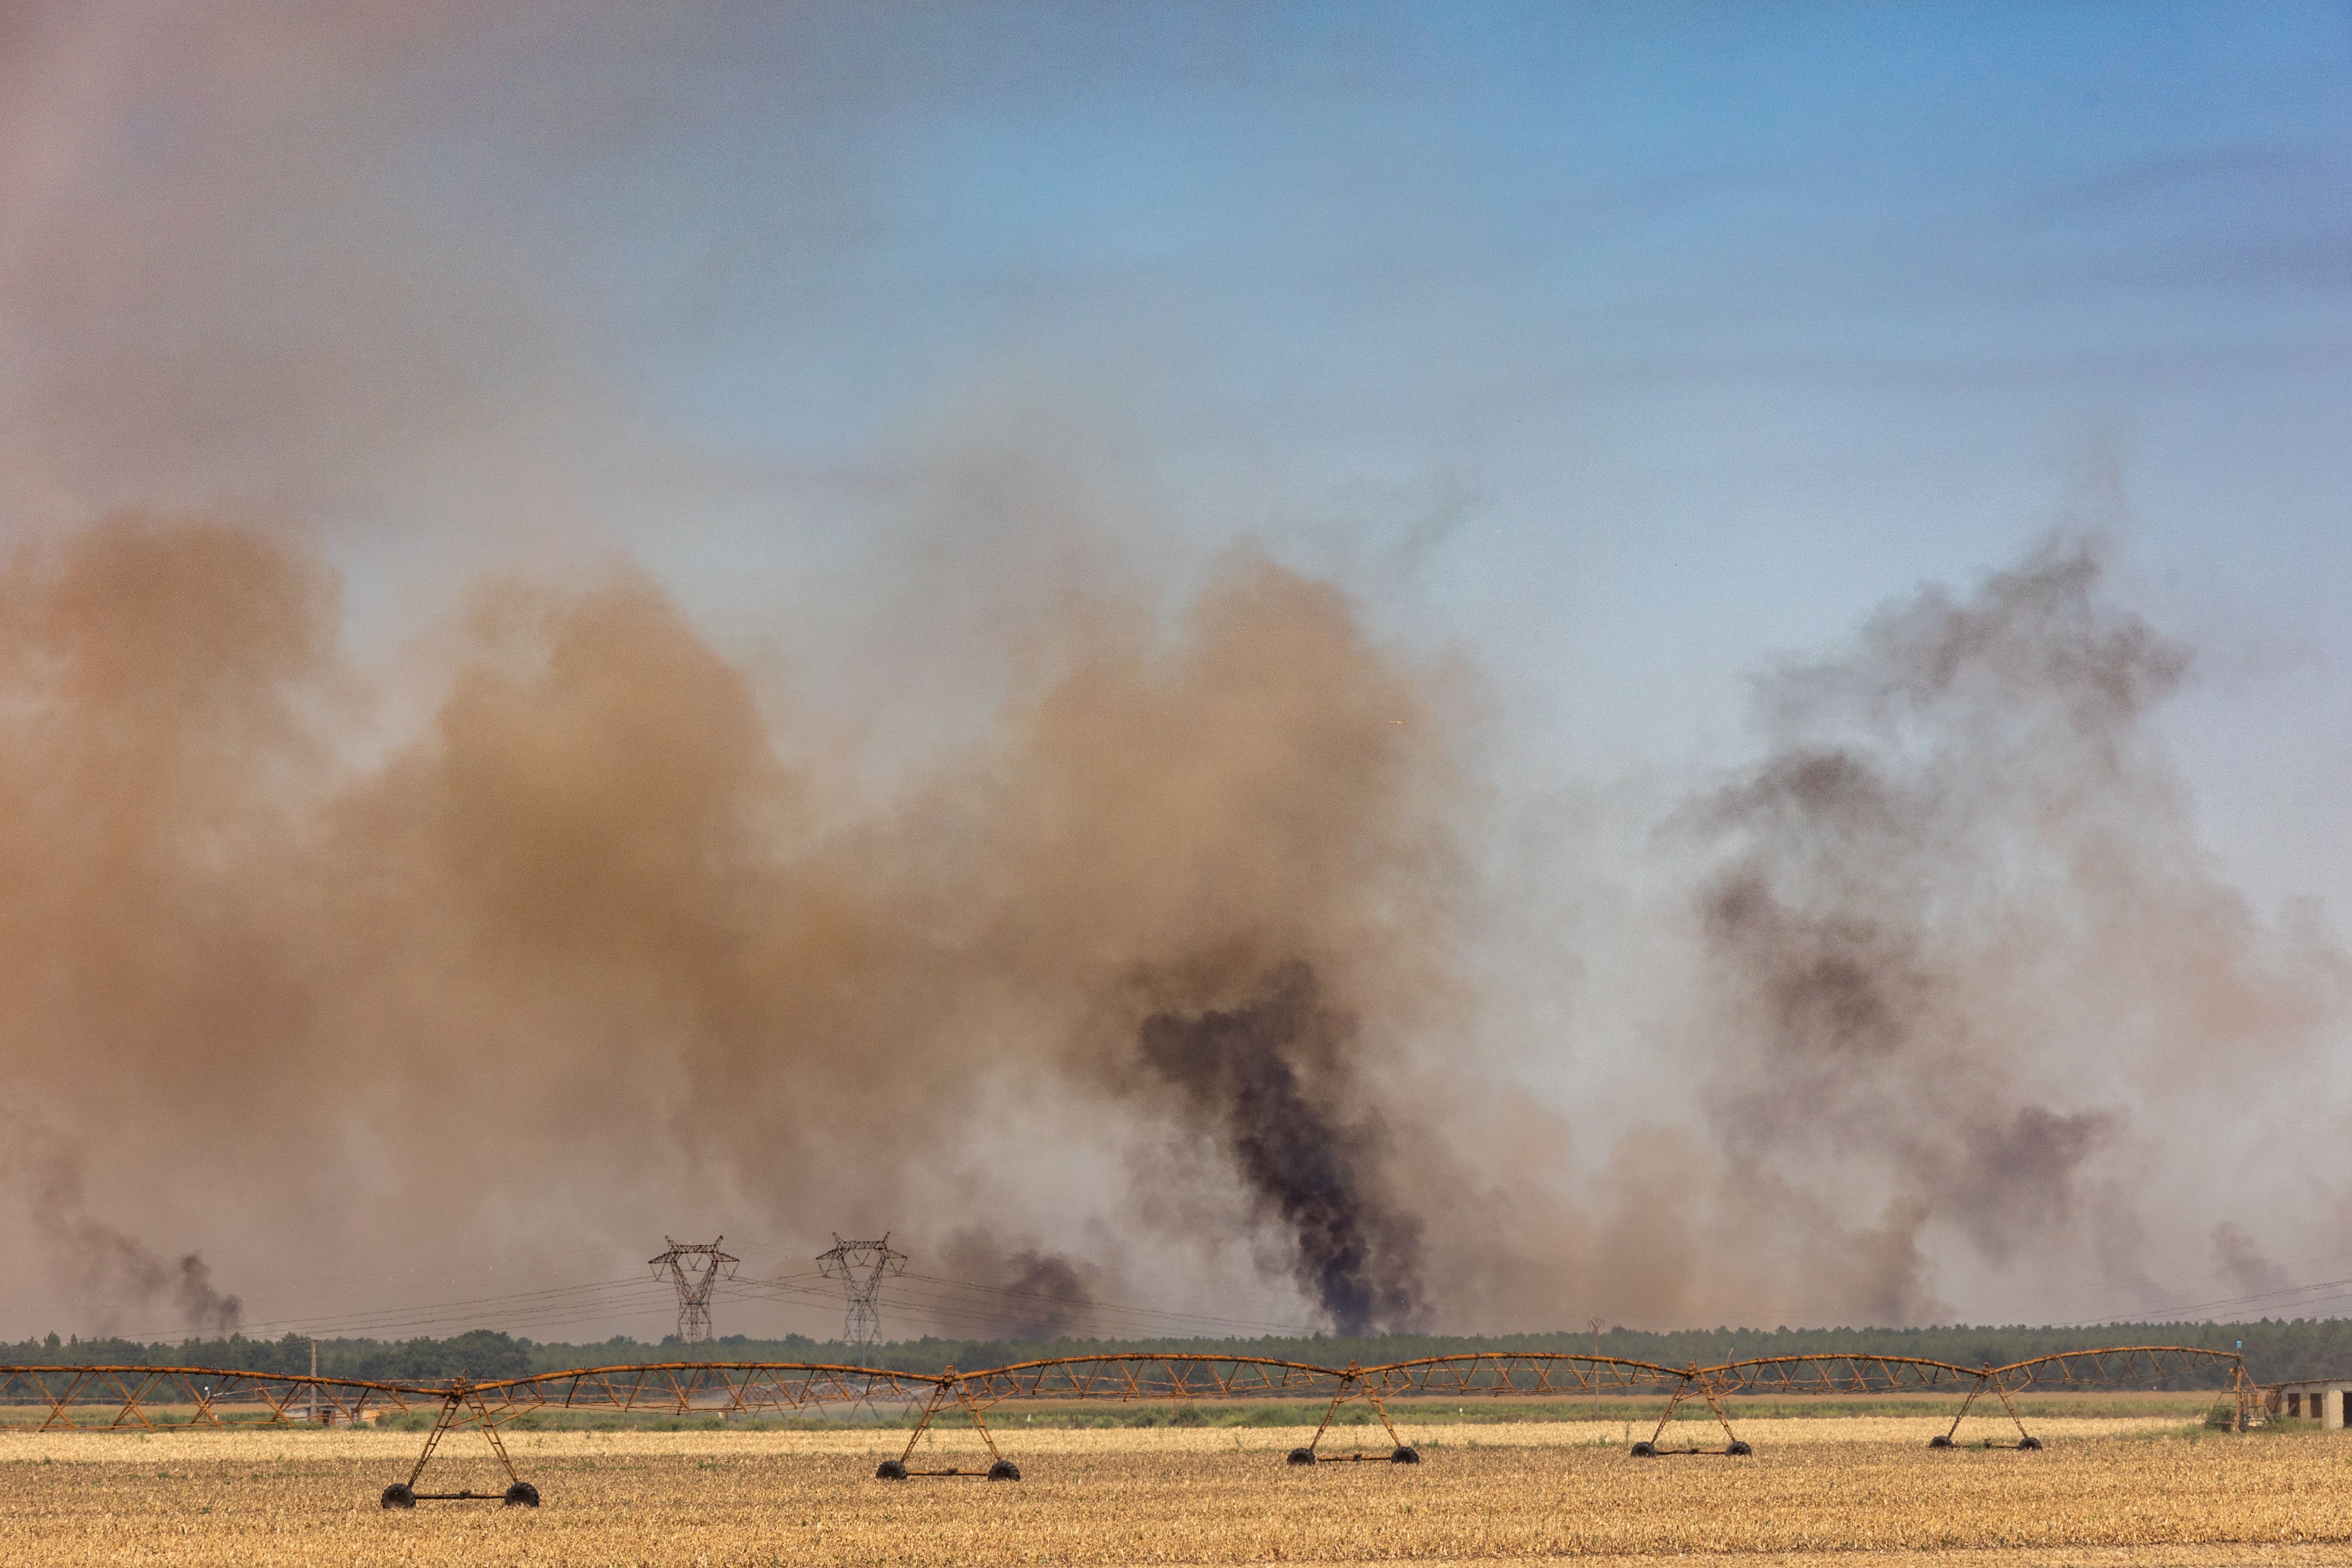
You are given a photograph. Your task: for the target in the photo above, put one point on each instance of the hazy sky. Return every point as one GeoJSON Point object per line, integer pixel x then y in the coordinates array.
{"type": "Point", "coordinates": [1625, 345]}
{"type": "Point", "coordinates": [1609, 353]}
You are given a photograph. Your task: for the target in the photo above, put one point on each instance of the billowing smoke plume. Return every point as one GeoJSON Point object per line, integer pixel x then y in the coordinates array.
{"type": "Point", "coordinates": [1195, 892]}
{"type": "Point", "coordinates": [1957, 944]}
{"type": "Point", "coordinates": [2241, 1266]}
{"type": "Point", "coordinates": [1047, 1295]}
{"type": "Point", "coordinates": [202, 1306]}
{"type": "Point", "coordinates": [123, 1285]}
{"type": "Point", "coordinates": [1254, 1077]}
{"type": "Point", "coordinates": [1025, 1292]}
{"type": "Point", "coordinates": [589, 907]}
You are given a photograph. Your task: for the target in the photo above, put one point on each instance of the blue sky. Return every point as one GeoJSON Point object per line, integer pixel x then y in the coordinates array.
{"type": "Point", "coordinates": [1658, 338]}
{"type": "Point", "coordinates": [1399, 225]}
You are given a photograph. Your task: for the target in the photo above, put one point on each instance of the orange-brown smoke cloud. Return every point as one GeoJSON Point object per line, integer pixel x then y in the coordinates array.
{"type": "Point", "coordinates": [582, 934]}
{"type": "Point", "coordinates": [1169, 963]}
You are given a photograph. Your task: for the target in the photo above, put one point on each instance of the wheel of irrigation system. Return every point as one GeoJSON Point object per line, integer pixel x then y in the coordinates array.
{"type": "Point", "coordinates": [1737, 1447]}
{"type": "Point", "coordinates": [1940, 1441]}
{"type": "Point", "coordinates": [400, 1494]}
{"type": "Point", "coordinates": [1301, 1456]}
{"type": "Point", "coordinates": [1405, 1455]}
{"type": "Point", "coordinates": [2029, 1442]}
{"type": "Point", "coordinates": [890, 1470]}
{"type": "Point", "coordinates": [522, 1494]}
{"type": "Point", "coordinates": [1645, 1449]}
{"type": "Point", "coordinates": [1005, 1470]}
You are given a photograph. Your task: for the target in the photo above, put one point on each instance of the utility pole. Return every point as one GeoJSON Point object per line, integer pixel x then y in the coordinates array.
{"type": "Point", "coordinates": [694, 1266]}
{"type": "Point", "coordinates": [861, 1266]}
{"type": "Point", "coordinates": [1598, 1325]}
{"type": "Point", "coordinates": [314, 1387]}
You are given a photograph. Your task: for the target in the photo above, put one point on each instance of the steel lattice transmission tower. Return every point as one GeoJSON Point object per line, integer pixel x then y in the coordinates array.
{"type": "Point", "coordinates": [694, 1268]}
{"type": "Point", "coordinates": [861, 1266]}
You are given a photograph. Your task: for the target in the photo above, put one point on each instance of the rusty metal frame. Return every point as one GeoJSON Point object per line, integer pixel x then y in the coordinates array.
{"type": "Point", "coordinates": [2105, 1367]}
{"type": "Point", "coordinates": [1353, 1384]}
{"type": "Point", "coordinates": [1705, 1385]}
{"type": "Point", "coordinates": [462, 1405]}
{"type": "Point", "coordinates": [1508, 1373]}
{"type": "Point", "coordinates": [723, 1388]}
{"type": "Point", "coordinates": [135, 1394]}
{"type": "Point", "coordinates": [1838, 1374]}
{"type": "Point", "coordinates": [951, 1386]}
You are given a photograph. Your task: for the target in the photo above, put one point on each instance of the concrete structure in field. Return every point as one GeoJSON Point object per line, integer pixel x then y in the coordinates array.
{"type": "Point", "coordinates": [2320, 1400]}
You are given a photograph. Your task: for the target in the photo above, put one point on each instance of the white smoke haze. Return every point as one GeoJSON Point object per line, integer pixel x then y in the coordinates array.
{"type": "Point", "coordinates": [401, 852]}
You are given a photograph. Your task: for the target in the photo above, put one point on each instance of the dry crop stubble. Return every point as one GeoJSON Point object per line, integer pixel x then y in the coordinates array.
{"type": "Point", "coordinates": [1182, 1496]}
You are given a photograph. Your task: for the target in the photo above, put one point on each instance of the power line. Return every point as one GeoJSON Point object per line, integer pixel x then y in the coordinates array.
{"type": "Point", "coordinates": [995, 1308]}
{"type": "Point", "coordinates": [998, 1309]}
{"type": "Point", "coordinates": [946, 1299]}
{"type": "Point", "coordinates": [1114, 1309]}
{"type": "Point", "coordinates": [2234, 1300]}
{"type": "Point", "coordinates": [425, 1315]}
{"type": "Point", "coordinates": [249, 1285]}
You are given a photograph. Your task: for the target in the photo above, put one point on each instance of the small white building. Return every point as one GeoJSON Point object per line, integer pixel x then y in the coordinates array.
{"type": "Point", "coordinates": [2321, 1400]}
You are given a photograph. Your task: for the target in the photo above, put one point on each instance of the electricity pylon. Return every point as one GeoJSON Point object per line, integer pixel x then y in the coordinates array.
{"type": "Point", "coordinates": [693, 1286]}
{"type": "Point", "coordinates": [861, 1266]}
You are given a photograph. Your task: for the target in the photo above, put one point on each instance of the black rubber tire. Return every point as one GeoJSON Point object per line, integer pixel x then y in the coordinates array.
{"type": "Point", "coordinates": [890, 1470]}
{"type": "Point", "coordinates": [2030, 1443]}
{"type": "Point", "coordinates": [1940, 1441]}
{"type": "Point", "coordinates": [400, 1494]}
{"type": "Point", "coordinates": [1406, 1453]}
{"type": "Point", "coordinates": [1645, 1449]}
{"type": "Point", "coordinates": [522, 1494]}
{"type": "Point", "coordinates": [1739, 1448]}
{"type": "Point", "coordinates": [1005, 1470]}
{"type": "Point", "coordinates": [1300, 1457]}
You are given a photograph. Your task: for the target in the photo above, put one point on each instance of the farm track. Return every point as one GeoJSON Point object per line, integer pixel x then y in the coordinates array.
{"type": "Point", "coordinates": [1848, 1489]}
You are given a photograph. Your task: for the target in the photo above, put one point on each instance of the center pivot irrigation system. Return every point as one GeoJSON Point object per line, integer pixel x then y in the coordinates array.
{"type": "Point", "coordinates": [150, 1397]}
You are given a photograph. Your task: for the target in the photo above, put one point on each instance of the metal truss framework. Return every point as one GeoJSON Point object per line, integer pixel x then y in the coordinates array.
{"type": "Point", "coordinates": [150, 1397]}
{"type": "Point", "coordinates": [861, 1266]}
{"type": "Point", "coordinates": [695, 1268]}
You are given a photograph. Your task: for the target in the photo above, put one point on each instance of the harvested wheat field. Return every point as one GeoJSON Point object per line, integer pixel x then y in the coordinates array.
{"type": "Point", "coordinates": [1485, 1494]}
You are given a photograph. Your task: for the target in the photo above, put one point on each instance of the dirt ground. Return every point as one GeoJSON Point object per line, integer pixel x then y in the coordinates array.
{"type": "Point", "coordinates": [1852, 1489]}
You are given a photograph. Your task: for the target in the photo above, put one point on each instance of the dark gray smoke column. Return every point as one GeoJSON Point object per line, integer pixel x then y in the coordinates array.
{"type": "Point", "coordinates": [1930, 923]}
{"type": "Point", "coordinates": [1260, 1078]}
{"type": "Point", "coordinates": [126, 1285]}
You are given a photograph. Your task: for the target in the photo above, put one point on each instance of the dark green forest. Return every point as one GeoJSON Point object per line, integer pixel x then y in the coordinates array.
{"type": "Point", "coordinates": [2275, 1350]}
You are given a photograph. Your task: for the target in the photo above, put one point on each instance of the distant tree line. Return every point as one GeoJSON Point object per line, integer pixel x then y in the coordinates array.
{"type": "Point", "coordinates": [2275, 1350]}
{"type": "Point", "coordinates": [481, 1353]}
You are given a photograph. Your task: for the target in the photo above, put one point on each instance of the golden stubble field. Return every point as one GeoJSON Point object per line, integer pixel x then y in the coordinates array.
{"type": "Point", "coordinates": [1855, 1488]}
